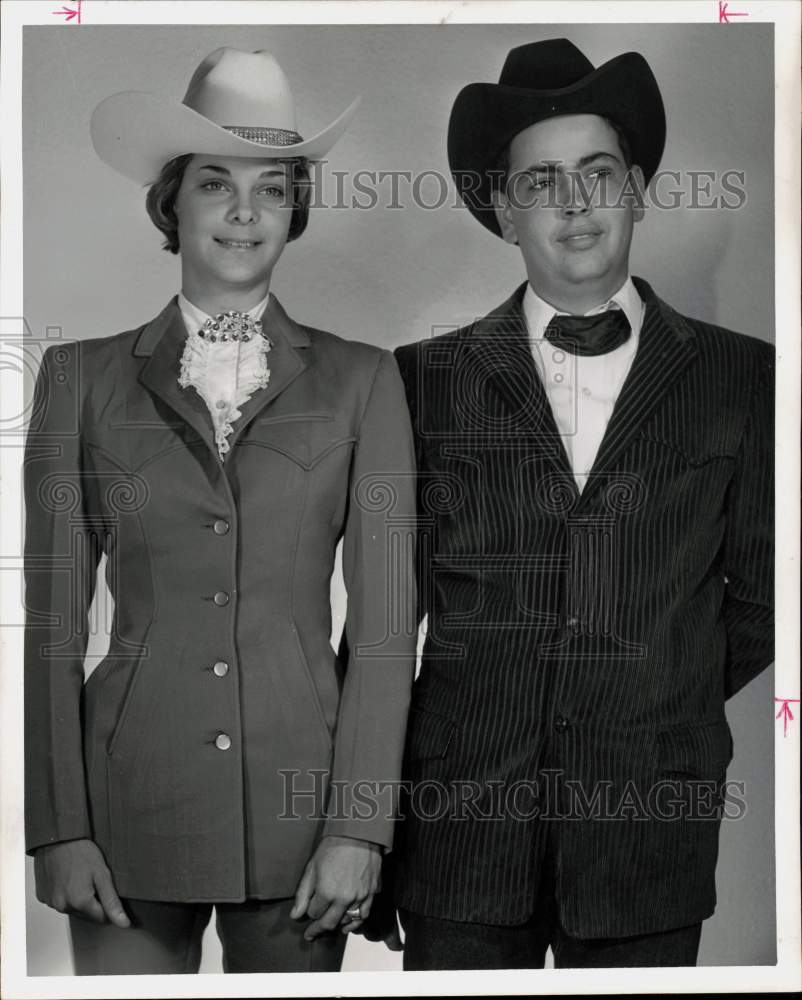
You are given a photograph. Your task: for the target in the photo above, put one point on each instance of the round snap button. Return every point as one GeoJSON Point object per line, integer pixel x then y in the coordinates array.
{"type": "Point", "coordinates": [558, 357]}
{"type": "Point", "coordinates": [220, 404]}
{"type": "Point", "coordinates": [223, 742]}
{"type": "Point", "coordinates": [220, 668]}
{"type": "Point", "coordinates": [221, 527]}
{"type": "Point", "coordinates": [586, 391]}
{"type": "Point", "coordinates": [221, 598]}
{"type": "Point", "coordinates": [558, 377]}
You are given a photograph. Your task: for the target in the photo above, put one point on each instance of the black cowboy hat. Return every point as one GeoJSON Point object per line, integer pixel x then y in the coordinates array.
{"type": "Point", "coordinates": [543, 80]}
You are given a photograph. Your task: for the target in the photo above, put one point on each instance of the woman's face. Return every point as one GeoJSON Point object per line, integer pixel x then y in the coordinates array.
{"type": "Point", "coordinates": [234, 215]}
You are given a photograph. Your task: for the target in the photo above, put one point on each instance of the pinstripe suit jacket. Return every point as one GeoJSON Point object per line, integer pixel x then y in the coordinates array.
{"type": "Point", "coordinates": [580, 647]}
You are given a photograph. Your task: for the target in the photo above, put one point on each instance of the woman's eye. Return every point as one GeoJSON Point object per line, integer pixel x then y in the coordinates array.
{"type": "Point", "coordinates": [212, 186]}
{"type": "Point", "coordinates": [273, 191]}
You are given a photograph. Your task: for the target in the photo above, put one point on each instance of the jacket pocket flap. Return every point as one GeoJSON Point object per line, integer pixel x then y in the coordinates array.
{"type": "Point", "coordinates": [429, 734]}
{"type": "Point", "coordinates": [693, 452]}
{"type": "Point", "coordinates": [701, 749]}
{"type": "Point", "coordinates": [305, 439]}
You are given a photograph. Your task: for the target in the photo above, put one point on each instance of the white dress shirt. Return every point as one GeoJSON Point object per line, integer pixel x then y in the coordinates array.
{"type": "Point", "coordinates": [582, 390]}
{"type": "Point", "coordinates": [225, 374]}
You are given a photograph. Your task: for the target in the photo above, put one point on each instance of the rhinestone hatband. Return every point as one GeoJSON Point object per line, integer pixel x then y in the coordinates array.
{"type": "Point", "coordinates": [265, 136]}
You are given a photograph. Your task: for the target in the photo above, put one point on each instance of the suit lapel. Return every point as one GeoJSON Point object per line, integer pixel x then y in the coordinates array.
{"type": "Point", "coordinates": [500, 348]}
{"type": "Point", "coordinates": [162, 343]}
{"type": "Point", "coordinates": [665, 349]}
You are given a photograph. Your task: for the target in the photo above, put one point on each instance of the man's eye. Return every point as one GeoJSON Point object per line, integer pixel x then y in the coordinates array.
{"type": "Point", "coordinates": [541, 183]}
{"type": "Point", "coordinates": [601, 172]}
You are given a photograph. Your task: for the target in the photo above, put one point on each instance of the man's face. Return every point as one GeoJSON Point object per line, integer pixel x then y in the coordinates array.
{"type": "Point", "coordinates": [233, 216]}
{"type": "Point", "coordinates": [575, 242]}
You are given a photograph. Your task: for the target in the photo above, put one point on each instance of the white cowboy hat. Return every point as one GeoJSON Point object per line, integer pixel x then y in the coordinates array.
{"type": "Point", "coordinates": [237, 104]}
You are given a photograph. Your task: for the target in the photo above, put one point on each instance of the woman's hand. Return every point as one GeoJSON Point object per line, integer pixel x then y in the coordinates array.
{"type": "Point", "coordinates": [73, 877]}
{"type": "Point", "coordinates": [341, 875]}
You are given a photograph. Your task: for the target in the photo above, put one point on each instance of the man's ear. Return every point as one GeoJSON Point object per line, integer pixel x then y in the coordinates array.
{"type": "Point", "coordinates": [501, 207]}
{"type": "Point", "coordinates": [636, 184]}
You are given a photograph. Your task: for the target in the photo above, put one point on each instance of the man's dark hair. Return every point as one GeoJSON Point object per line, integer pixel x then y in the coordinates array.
{"type": "Point", "coordinates": [160, 200]}
{"type": "Point", "coordinates": [501, 165]}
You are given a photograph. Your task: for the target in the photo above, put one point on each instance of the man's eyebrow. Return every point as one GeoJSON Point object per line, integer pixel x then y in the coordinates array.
{"type": "Point", "coordinates": [601, 154]}
{"type": "Point", "coordinates": [551, 166]}
{"type": "Point", "coordinates": [275, 172]}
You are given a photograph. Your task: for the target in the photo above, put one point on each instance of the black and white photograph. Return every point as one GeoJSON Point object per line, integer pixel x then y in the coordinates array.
{"type": "Point", "coordinates": [400, 463]}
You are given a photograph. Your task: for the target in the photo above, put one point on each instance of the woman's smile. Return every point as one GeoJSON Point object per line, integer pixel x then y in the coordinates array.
{"type": "Point", "coordinates": [237, 244]}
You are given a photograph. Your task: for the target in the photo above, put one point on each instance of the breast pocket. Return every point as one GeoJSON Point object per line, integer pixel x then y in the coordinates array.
{"type": "Point", "coordinates": [687, 479]}
{"type": "Point", "coordinates": [305, 438]}
{"type": "Point", "coordinates": [690, 450]}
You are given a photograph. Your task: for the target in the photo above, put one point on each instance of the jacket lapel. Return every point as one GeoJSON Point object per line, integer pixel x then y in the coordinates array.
{"type": "Point", "coordinates": [666, 347]}
{"type": "Point", "coordinates": [162, 343]}
{"type": "Point", "coordinates": [284, 360]}
{"type": "Point", "coordinates": [501, 349]}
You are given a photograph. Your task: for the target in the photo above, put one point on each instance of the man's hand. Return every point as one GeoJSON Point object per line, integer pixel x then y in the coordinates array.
{"type": "Point", "coordinates": [72, 877]}
{"type": "Point", "coordinates": [382, 923]}
{"type": "Point", "coordinates": [387, 930]}
{"type": "Point", "coordinates": [343, 873]}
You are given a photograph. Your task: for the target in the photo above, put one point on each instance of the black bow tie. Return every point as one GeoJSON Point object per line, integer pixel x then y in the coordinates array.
{"type": "Point", "coordinates": [589, 335]}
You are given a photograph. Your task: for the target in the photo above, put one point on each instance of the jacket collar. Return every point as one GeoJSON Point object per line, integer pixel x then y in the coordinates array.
{"type": "Point", "coordinates": [274, 318]}
{"type": "Point", "coordinates": [162, 341]}
{"type": "Point", "coordinates": [667, 346]}
{"type": "Point", "coordinates": [500, 343]}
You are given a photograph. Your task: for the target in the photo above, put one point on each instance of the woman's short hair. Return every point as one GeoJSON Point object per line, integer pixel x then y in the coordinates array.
{"type": "Point", "coordinates": [162, 193]}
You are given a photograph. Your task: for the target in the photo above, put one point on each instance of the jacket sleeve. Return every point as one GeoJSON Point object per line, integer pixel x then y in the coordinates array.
{"type": "Point", "coordinates": [748, 608]}
{"type": "Point", "coordinates": [380, 624]}
{"type": "Point", "coordinates": [61, 558]}
{"type": "Point", "coordinates": [408, 358]}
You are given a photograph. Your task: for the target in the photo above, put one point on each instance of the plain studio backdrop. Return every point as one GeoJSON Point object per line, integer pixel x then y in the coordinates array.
{"type": "Point", "coordinates": [390, 275]}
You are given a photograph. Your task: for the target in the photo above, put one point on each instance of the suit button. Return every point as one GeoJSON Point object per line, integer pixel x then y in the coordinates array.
{"type": "Point", "coordinates": [561, 724]}
{"type": "Point", "coordinates": [223, 742]}
{"type": "Point", "coordinates": [220, 668]}
{"type": "Point", "coordinates": [221, 598]}
{"type": "Point", "coordinates": [221, 527]}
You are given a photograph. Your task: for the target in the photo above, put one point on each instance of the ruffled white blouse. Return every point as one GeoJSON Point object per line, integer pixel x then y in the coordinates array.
{"type": "Point", "coordinates": [224, 374]}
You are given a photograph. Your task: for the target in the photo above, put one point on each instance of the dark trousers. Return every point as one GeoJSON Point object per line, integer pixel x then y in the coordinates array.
{"type": "Point", "coordinates": [434, 943]}
{"type": "Point", "coordinates": [257, 936]}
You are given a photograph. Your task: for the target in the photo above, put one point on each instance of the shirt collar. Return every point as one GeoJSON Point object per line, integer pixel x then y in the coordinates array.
{"type": "Point", "coordinates": [194, 317]}
{"type": "Point", "coordinates": [538, 312]}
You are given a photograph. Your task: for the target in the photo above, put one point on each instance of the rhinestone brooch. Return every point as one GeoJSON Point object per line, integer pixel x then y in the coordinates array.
{"type": "Point", "coordinates": [230, 327]}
